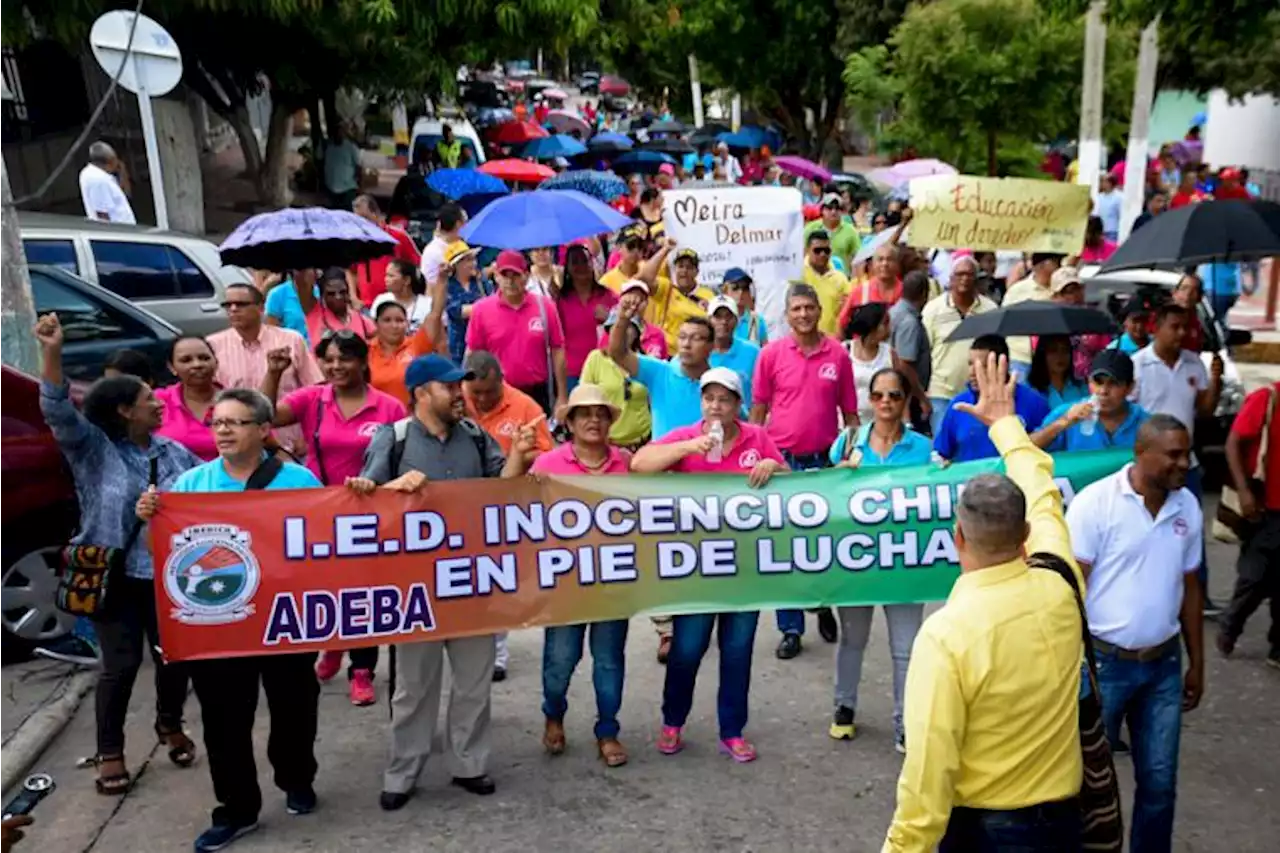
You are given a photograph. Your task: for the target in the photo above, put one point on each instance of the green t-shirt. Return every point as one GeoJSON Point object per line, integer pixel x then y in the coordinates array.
{"type": "Point", "coordinates": [845, 241]}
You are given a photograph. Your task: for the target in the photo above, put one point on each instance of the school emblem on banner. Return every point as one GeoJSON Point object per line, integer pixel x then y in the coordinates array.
{"type": "Point", "coordinates": [211, 575]}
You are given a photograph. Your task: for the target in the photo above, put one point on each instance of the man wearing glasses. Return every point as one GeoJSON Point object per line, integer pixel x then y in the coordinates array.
{"type": "Point", "coordinates": [831, 285]}
{"type": "Point", "coordinates": [739, 287]}
{"type": "Point", "coordinates": [242, 352]}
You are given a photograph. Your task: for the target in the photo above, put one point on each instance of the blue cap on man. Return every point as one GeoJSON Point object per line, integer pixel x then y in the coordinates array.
{"type": "Point", "coordinates": [734, 274]}
{"type": "Point", "coordinates": [432, 368]}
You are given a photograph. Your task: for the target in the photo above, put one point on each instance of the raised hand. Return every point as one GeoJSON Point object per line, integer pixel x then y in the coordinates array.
{"type": "Point", "coordinates": [526, 438]}
{"type": "Point", "coordinates": [995, 390]}
{"type": "Point", "coordinates": [279, 360]}
{"type": "Point", "coordinates": [49, 331]}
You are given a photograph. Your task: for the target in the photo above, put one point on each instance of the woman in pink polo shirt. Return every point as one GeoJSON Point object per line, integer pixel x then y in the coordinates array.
{"type": "Point", "coordinates": [188, 405]}
{"type": "Point", "coordinates": [583, 304]}
{"type": "Point", "coordinates": [338, 420]}
{"type": "Point", "coordinates": [589, 416]}
{"type": "Point", "coordinates": [720, 444]}
{"type": "Point", "coordinates": [334, 311]}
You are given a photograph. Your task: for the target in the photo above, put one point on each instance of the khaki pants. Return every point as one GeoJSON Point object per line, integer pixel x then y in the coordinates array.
{"type": "Point", "coordinates": [416, 706]}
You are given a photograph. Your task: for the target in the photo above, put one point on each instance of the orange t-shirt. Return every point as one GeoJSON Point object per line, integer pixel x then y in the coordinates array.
{"type": "Point", "coordinates": [386, 372]}
{"type": "Point", "coordinates": [513, 411]}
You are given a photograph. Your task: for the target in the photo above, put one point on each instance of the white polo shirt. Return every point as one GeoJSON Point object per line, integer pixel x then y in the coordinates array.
{"type": "Point", "coordinates": [100, 193]}
{"type": "Point", "coordinates": [1165, 390]}
{"type": "Point", "coordinates": [1135, 587]}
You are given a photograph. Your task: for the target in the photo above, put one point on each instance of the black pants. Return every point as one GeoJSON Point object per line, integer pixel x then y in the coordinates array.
{"type": "Point", "coordinates": [365, 658]}
{"type": "Point", "coordinates": [541, 394]}
{"type": "Point", "coordinates": [228, 693]}
{"type": "Point", "coordinates": [1043, 828]}
{"type": "Point", "coordinates": [1257, 578]}
{"type": "Point", "coordinates": [131, 621]}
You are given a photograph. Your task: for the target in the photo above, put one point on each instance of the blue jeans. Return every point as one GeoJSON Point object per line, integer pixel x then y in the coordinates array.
{"type": "Point", "coordinates": [561, 651]}
{"type": "Point", "coordinates": [792, 621]}
{"type": "Point", "coordinates": [1149, 696]}
{"type": "Point", "coordinates": [1042, 828]}
{"type": "Point", "coordinates": [690, 639]}
{"type": "Point", "coordinates": [1195, 482]}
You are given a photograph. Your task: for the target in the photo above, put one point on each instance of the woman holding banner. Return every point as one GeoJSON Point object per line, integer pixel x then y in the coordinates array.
{"type": "Point", "coordinates": [589, 416]}
{"type": "Point", "coordinates": [883, 440]}
{"type": "Point", "coordinates": [720, 444]}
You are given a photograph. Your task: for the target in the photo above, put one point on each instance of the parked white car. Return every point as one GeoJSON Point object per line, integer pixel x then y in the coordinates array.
{"type": "Point", "coordinates": [428, 131]}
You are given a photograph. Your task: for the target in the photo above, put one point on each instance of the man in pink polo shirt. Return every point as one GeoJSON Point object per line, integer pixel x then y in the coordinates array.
{"type": "Point", "coordinates": [803, 388]}
{"type": "Point", "coordinates": [523, 330]}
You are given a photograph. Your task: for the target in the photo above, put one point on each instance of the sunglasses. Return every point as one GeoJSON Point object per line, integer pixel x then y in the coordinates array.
{"type": "Point", "coordinates": [895, 396]}
{"type": "Point", "coordinates": [340, 335]}
{"type": "Point", "coordinates": [821, 250]}
{"type": "Point", "coordinates": [231, 423]}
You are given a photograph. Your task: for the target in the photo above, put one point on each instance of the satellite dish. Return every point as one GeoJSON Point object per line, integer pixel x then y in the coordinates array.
{"type": "Point", "coordinates": [153, 66]}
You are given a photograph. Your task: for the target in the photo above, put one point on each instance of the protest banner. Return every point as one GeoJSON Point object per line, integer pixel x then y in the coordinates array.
{"type": "Point", "coordinates": [759, 229]}
{"type": "Point", "coordinates": [267, 571]}
{"type": "Point", "coordinates": [988, 214]}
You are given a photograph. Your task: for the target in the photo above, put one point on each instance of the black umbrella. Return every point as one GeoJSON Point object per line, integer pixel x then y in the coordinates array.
{"type": "Point", "coordinates": [668, 126]}
{"type": "Point", "coordinates": [1222, 231]}
{"type": "Point", "coordinates": [1035, 318]}
{"type": "Point", "coordinates": [668, 146]}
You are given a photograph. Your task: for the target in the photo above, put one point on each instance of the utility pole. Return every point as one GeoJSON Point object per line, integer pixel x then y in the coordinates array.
{"type": "Point", "coordinates": [1090, 152]}
{"type": "Point", "coordinates": [17, 311]}
{"type": "Point", "coordinates": [1144, 92]}
{"type": "Point", "coordinates": [695, 85]}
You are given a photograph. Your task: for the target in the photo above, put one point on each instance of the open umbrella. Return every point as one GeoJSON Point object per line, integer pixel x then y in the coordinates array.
{"type": "Point", "coordinates": [518, 171]}
{"type": "Point", "coordinates": [459, 183]}
{"type": "Point", "coordinates": [555, 94]}
{"type": "Point", "coordinates": [609, 143]}
{"type": "Point", "coordinates": [668, 126]}
{"type": "Point", "coordinates": [566, 122]}
{"type": "Point", "coordinates": [552, 147]}
{"type": "Point", "coordinates": [668, 145]}
{"type": "Point", "coordinates": [530, 220]}
{"type": "Point", "coordinates": [1035, 318]}
{"type": "Point", "coordinates": [902, 172]}
{"type": "Point", "coordinates": [304, 237]}
{"type": "Point", "coordinates": [647, 162]}
{"type": "Point", "coordinates": [741, 140]}
{"type": "Point", "coordinates": [604, 186]}
{"type": "Point", "coordinates": [1223, 231]}
{"type": "Point", "coordinates": [516, 133]}
{"type": "Point", "coordinates": [614, 86]}
{"type": "Point", "coordinates": [803, 168]}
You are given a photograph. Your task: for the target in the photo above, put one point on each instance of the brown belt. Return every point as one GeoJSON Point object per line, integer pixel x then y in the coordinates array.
{"type": "Point", "coordinates": [1140, 655]}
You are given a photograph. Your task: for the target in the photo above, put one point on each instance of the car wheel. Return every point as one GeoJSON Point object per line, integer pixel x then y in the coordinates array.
{"type": "Point", "coordinates": [26, 601]}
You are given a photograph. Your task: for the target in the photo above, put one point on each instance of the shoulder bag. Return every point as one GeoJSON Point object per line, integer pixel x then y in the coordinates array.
{"type": "Point", "coordinates": [1229, 505]}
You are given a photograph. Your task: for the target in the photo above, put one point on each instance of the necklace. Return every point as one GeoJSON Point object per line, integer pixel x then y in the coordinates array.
{"type": "Point", "coordinates": [594, 469]}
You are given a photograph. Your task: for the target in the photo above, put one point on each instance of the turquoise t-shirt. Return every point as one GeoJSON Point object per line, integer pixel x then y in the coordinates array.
{"type": "Point", "coordinates": [283, 305]}
{"type": "Point", "coordinates": [913, 449]}
{"type": "Point", "coordinates": [213, 477]}
{"type": "Point", "coordinates": [1073, 438]}
{"type": "Point", "coordinates": [757, 334]}
{"type": "Point", "coordinates": [741, 359]}
{"type": "Point", "coordinates": [674, 398]}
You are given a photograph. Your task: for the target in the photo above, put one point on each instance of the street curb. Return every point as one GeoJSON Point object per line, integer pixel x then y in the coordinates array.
{"type": "Point", "coordinates": [29, 742]}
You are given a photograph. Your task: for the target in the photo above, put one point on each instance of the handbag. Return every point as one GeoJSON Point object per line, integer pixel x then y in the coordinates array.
{"type": "Point", "coordinates": [1101, 820]}
{"type": "Point", "coordinates": [1229, 505]}
{"type": "Point", "coordinates": [88, 571]}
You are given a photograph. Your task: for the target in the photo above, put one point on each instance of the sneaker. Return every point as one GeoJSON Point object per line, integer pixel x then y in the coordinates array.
{"type": "Point", "coordinates": [362, 692]}
{"type": "Point", "coordinates": [738, 749]}
{"type": "Point", "coordinates": [300, 802]}
{"type": "Point", "coordinates": [828, 628]}
{"type": "Point", "coordinates": [328, 665]}
{"type": "Point", "coordinates": [221, 834]}
{"type": "Point", "coordinates": [1211, 610]}
{"type": "Point", "coordinates": [900, 741]}
{"type": "Point", "coordinates": [842, 724]}
{"type": "Point", "coordinates": [70, 649]}
{"type": "Point", "coordinates": [788, 647]}
{"type": "Point", "coordinates": [669, 741]}
{"type": "Point", "coordinates": [499, 674]}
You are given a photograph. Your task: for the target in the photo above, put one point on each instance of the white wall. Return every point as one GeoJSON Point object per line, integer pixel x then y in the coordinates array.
{"type": "Point", "coordinates": [1245, 133]}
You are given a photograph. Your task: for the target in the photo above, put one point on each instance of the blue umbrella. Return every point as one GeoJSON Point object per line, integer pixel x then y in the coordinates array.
{"type": "Point", "coordinates": [610, 141]}
{"type": "Point", "coordinates": [553, 146]}
{"type": "Point", "coordinates": [533, 219]}
{"type": "Point", "coordinates": [740, 139]}
{"type": "Point", "coordinates": [305, 237]}
{"type": "Point", "coordinates": [460, 183]}
{"type": "Point", "coordinates": [642, 161]}
{"type": "Point", "coordinates": [605, 186]}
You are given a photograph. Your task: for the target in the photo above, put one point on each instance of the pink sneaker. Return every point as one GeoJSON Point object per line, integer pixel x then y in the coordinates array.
{"type": "Point", "coordinates": [362, 688]}
{"type": "Point", "coordinates": [669, 742]}
{"type": "Point", "coordinates": [738, 749]}
{"type": "Point", "coordinates": [328, 665]}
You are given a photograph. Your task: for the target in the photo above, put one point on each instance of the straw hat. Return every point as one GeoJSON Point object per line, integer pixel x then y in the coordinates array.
{"type": "Point", "coordinates": [586, 395]}
{"type": "Point", "coordinates": [456, 251]}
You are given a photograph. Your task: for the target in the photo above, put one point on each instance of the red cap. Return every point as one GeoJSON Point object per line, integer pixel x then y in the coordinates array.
{"type": "Point", "coordinates": [513, 261]}
{"type": "Point", "coordinates": [1230, 174]}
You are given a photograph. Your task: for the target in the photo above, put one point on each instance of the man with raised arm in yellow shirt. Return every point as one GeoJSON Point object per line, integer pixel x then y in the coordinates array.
{"type": "Point", "coordinates": [992, 736]}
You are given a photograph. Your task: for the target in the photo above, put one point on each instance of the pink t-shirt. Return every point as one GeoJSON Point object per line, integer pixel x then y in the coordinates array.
{"type": "Point", "coordinates": [581, 321]}
{"type": "Point", "coordinates": [805, 393]}
{"type": "Point", "coordinates": [563, 461]}
{"type": "Point", "coordinates": [1097, 254]}
{"type": "Point", "coordinates": [320, 320]}
{"type": "Point", "coordinates": [653, 342]}
{"type": "Point", "coordinates": [342, 440]}
{"type": "Point", "coordinates": [516, 336]}
{"type": "Point", "coordinates": [752, 446]}
{"type": "Point", "coordinates": [179, 424]}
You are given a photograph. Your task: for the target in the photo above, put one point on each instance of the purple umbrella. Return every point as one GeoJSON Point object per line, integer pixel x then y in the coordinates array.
{"type": "Point", "coordinates": [302, 237]}
{"type": "Point", "coordinates": [900, 173]}
{"type": "Point", "coordinates": [803, 168]}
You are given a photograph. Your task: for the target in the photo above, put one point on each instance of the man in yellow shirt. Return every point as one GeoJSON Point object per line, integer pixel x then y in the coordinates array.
{"type": "Point", "coordinates": [831, 285]}
{"type": "Point", "coordinates": [1033, 287]}
{"type": "Point", "coordinates": [670, 303]}
{"type": "Point", "coordinates": [992, 695]}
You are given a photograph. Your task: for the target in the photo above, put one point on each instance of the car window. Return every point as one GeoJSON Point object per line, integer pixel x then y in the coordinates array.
{"type": "Point", "coordinates": [52, 253]}
{"type": "Point", "coordinates": [135, 270]}
{"type": "Point", "coordinates": [191, 281]}
{"type": "Point", "coordinates": [82, 318]}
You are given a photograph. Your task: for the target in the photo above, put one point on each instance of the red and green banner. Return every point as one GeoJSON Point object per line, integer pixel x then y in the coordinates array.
{"type": "Point", "coordinates": [283, 571]}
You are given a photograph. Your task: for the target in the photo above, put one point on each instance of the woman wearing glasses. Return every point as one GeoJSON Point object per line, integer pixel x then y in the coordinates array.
{"type": "Point", "coordinates": [883, 440]}
{"type": "Point", "coordinates": [338, 420]}
{"type": "Point", "coordinates": [334, 310]}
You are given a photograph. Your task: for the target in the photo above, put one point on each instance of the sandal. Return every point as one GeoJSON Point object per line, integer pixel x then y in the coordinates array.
{"type": "Point", "coordinates": [112, 784]}
{"type": "Point", "coordinates": [553, 739]}
{"type": "Point", "coordinates": [182, 750]}
{"type": "Point", "coordinates": [612, 753]}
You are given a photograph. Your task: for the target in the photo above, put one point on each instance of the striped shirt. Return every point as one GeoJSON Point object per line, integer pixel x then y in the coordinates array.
{"type": "Point", "coordinates": [243, 364]}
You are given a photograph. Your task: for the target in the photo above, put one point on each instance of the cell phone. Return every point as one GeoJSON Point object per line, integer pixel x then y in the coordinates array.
{"type": "Point", "coordinates": [35, 788]}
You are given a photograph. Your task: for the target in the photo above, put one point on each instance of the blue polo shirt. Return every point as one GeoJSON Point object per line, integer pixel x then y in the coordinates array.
{"type": "Point", "coordinates": [674, 398]}
{"type": "Point", "coordinates": [1072, 392]}
{"type": "Point", "coordinates": [283, 305]}
{"type": "Point", "coordinates": [741, 359]}
{"type": "Point", "coordinates": [1125, 344]}
{"type": "Point", "coordinates": [962, 437]}
{"type": "Point", "coordinates": [1073, 439]}
{"type": "Point", "coordinates": [213, 477]}
{"type": "Point", "coordinates": [913, 449]}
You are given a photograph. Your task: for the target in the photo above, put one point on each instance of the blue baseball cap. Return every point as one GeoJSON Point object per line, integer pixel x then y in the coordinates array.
{"type": "Point", "coordinates": [433, 368]}
{"type": "Point", "coordinates": [736, 274]}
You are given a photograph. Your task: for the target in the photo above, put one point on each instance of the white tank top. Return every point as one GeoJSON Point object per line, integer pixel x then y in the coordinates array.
{"type": "Point", "coordinates": [862, 373]}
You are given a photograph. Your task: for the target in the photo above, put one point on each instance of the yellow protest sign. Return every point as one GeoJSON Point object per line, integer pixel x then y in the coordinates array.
{"type": "Point", "coordinates": [968, 212]}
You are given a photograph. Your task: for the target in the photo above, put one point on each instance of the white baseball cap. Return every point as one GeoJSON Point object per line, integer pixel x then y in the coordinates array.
{"type": "Point", "coordinates": [722, 302]}
{"type": "Point", "coordinates": [724, 377]}
{"type": "Point", "coordinates": [634, 284]}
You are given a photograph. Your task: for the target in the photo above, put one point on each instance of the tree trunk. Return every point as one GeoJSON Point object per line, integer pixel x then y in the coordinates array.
{"type": "Point", "coordinates": [17, 314]}
{"type": "Point", "coordinates": [275, 169]}
{"type": "Point", "coordinates": [992, 165]}
{"type": "Point", "coordinates": [250, 150]}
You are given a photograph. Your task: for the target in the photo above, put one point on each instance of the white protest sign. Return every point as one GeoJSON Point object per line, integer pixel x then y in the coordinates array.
{"type": "Point", "coordinates": [759, 229]}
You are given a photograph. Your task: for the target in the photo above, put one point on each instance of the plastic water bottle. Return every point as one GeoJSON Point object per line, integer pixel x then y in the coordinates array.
{"type": "Point", "coordinates": [716, 453]}
{"type": "Point", "coordinates": [1089, 424]}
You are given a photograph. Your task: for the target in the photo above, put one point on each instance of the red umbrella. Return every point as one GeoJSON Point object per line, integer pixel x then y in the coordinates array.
{"type": "Point", "coordinates": [519, 171]}
{"type": "Point", "coordinates": [517, 133]}
{"type": "Point", "coordinates": [614, 86]}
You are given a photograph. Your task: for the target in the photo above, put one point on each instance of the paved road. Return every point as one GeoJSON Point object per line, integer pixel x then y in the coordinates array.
{"type": "Point", "coordinates": [805, 793]}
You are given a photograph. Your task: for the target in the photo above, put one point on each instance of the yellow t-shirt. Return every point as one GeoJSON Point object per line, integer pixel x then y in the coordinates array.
{"type": "Point", "coordinates": [668, 307]}
{"type": "Point", "coordinates": [635, 423]}
{"type": "Point", "coordinates": [1026, 290]}
{"type": "Point", "coordinates": [833, 289]}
